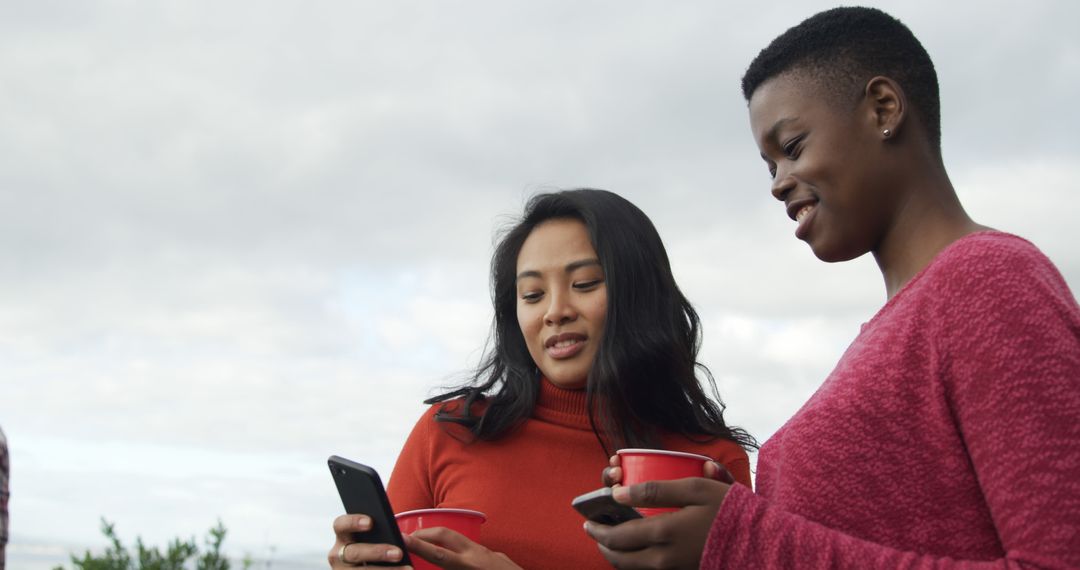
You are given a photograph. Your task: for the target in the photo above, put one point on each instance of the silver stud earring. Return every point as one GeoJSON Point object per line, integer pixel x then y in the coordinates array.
{"type": "Point", "coordinates": [886, 133]}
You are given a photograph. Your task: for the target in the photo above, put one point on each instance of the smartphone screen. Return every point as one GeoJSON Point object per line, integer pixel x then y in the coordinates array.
{"type": "Point", "coordinates": [362, 492]}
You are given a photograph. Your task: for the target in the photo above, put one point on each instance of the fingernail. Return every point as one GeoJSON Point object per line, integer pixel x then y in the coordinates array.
{"type": "Point", "coordinates": [393, 553]}
{"type": "Point", "coordinates": [620, 494]}
{"type": "Point", "coordinates": [363, 523]}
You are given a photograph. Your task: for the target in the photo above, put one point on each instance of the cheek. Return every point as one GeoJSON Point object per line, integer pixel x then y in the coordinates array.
{"type": "Point", "coordinates": [529, 318]}
{"type": "Point", "coordinates": [598, 314]}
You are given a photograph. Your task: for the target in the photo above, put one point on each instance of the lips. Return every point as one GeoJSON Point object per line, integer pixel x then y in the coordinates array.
{"type": "Point", "coordinates": [796, 207]}
{"type": "Point", "coordinates": [564, 345]}
{"type": "Point", "coordinates": [802, 211]}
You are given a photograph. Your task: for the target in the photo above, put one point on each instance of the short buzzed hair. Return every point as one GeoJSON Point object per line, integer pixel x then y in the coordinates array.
{"type": "Point", "coordinates": [842, 49]}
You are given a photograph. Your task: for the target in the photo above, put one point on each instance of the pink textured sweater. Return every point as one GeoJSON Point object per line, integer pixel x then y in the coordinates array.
{"type": "Point", "coordinates": [948, 436]}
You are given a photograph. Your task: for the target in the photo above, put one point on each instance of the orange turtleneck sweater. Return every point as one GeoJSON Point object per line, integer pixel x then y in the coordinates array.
{"type": "Point", "coordinates": [524, 482]}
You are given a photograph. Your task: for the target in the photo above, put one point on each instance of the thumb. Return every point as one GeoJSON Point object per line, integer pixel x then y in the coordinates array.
{"type": "Point", "coordinates": [677, 493]}
{"type": "Point", "coordinates": [714, 470]}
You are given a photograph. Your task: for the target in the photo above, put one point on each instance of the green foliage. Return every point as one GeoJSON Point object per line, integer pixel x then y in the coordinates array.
{"type": "Point", "coordinates": [175, 557]}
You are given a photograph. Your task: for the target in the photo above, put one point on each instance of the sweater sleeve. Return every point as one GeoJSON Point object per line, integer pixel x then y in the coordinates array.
{"type": "Point", "coordinates": [1009, 359]}
{"type": "Point", "coordinates": [410, 485]}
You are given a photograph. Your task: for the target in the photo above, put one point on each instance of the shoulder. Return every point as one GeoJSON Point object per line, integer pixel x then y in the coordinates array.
{"type": "Point", "coordinates": [436, 423]}
{"type": "Point", "coordinates": [991, 254]}
{"type": "Point", "coordinates": [995, 302]}
{"type": "Point", "coordinates": [992, 270]}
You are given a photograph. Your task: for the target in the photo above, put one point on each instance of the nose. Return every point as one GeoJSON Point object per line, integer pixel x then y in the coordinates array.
{"type": "Point", "coordinates": [782, 185]}
{"type": "Point", "coordinates": [560, 310]}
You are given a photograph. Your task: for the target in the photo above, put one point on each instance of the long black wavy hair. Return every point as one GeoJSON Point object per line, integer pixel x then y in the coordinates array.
{"type": "Point", "coordinates": [644, 380]}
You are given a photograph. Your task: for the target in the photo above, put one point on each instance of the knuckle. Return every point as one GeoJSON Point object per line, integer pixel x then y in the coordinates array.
{"type": "Point", "coordinates": [650, 491]}
{"type": "Point", "coordinates": [340, 523]}
{"type": "Point", "coordinates": [440, 532]}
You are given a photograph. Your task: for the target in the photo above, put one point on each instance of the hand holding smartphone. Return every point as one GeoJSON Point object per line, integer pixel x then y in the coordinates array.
{"type": "Point", "coordinates": [362, 492]}
{"type": "Point", "coordinates": [599, 506]}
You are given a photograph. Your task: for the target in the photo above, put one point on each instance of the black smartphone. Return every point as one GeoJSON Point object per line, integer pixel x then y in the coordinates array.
{"type": "Point", "coordinates": [362, 492]}
{"type": "Point", "coordinates": [599, 506]}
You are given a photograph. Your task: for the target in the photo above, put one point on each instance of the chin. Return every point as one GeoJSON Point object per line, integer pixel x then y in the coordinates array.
{"type": "Point", "coordinates": [832, 254]}
{"type": "Point", "coordinates": [569, 382]}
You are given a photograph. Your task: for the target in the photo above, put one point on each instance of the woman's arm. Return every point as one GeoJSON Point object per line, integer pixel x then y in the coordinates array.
{"type": "Point", "coordinates": [1012, 380]}
{"type": "Point", "coordinates": [411, 484]}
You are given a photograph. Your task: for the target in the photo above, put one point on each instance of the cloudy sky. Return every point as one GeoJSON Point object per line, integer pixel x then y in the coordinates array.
{"type": "Point", "coordinates": [238, 237]}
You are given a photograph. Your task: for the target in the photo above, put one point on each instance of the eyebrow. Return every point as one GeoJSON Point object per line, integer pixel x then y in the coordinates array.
{"type": "Point", "coordinates": [570, 268]}
{"type": "Point", "coordinates": [771, 134]}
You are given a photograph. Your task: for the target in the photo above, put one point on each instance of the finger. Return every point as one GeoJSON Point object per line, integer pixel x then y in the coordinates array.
{"type": "Point", "coordinates": [678, 493]}
{"type": "Point", "coordinates": [611, 476]}
{"type": "Point", "coordinates": [715, 471]}
{"type": "Point", "coordinates": [629, 536]}
{"type": "Point", "coordinates": [445, 537]}
{"type": "Point", "coordinates": [639, 560]}
{"type": "Point", "coordinates": [346, 524]}
{"type": "Point", "coordinates": [615, 460]}
{"type": "Point", "coordinates": [356, 553]}
{"type": "Point", "coordinates": [433, 553]}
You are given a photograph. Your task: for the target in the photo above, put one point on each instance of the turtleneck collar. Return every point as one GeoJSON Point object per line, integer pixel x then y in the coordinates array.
{"type": "Point", "coordinates": [562, 406]}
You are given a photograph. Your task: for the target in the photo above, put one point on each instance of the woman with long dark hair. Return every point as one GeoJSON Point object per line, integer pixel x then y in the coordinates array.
{"type": "Point", "coordinates": [594, 348]}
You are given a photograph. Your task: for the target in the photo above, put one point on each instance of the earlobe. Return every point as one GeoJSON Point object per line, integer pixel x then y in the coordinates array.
{"type": "Point", "coordinates": [887, 105]}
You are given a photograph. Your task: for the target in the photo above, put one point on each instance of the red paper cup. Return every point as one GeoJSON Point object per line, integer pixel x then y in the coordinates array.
{"type": "Point", "coordinates": [641, 465]}
{"type": "Point", "coordinates": [461, 520]}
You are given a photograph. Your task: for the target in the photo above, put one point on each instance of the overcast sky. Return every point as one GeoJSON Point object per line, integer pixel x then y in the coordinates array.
{"type": "Point", "coordinates": [238, 237]}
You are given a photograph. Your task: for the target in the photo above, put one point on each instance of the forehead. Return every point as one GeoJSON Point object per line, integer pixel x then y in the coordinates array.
{"type": "Point", "coordinates": [783, 97]}
{"type": "Point", "coordinates": [554, 244]}
{"type": "Point", "coordinates": [798, 96]}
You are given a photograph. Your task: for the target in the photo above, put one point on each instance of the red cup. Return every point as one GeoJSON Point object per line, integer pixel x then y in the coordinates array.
{"type": "Point", "coordinates": [461, 520]}
{"type": "Point", "coordinates": [641, 465]}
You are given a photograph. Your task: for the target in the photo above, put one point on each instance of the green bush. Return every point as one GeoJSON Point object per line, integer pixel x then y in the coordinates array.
{"type": "Point", "coordinates": [175, 557]}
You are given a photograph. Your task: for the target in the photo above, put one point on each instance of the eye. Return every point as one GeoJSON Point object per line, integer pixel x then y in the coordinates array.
{"type": "Point", "coordinates": [791, 148]}
{"type": "Point", "coordinates": [531, 296]}
{"type": "Point", "coordinates": [587, 285]}
{"type": "Point", "coordinates": [770, 165]}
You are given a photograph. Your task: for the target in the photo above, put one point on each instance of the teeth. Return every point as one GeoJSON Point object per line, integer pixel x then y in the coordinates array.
{"type": "Point", "coordinates": [565, 343]}
{"type": "Point", "coordinates": [802, 213]}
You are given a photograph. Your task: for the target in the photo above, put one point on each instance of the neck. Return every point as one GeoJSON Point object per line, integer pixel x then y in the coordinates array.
{"type": "Point", "coordinates": [929, 218]}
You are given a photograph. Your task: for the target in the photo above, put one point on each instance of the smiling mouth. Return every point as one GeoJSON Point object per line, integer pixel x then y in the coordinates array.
{"type": "Point", "coordinates": [804, 217]}
{"type": "Point", "coordinates": [564, 345]}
